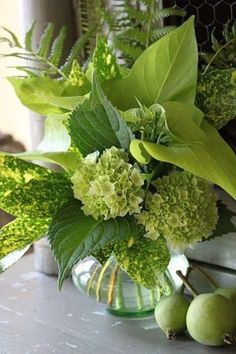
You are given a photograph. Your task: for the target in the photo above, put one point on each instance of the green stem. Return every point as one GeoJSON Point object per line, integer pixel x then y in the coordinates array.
{"type": "Point", "coordinates": [139, 296]}
{"type": "Point", "coordinates": [187, 284]}
{"type": "Point", "coordinates": [119, 293]}
{"type": "Point", "coordinates": [151, 11]}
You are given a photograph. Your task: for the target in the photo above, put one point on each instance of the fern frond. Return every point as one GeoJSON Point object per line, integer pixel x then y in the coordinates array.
{"type": "Point", "coordinates": [166, 12]}
{"type": "Point", "coordinates": [14, 38]}
{"type": "Point", "coordinates": [45, 41]}
{"type": "Point", "coordinates": [30, 71]}
{"type": "Point", "coordinates": [160, 32]}
{"type": "Point", "coordinates": [28, 37]}
{"type": "Point", "coordinates": [130, 51]}
{"type": "Point", "coordinates": [57, 47]}
{"type": "Point", "coordinates": [76, 51]}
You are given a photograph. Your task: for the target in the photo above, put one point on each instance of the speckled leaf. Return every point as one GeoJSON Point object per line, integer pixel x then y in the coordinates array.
{"type": "Point", "coordinates": [20, 233]}
{"type": "Point", "coordinates": [216, 96]}
{"type": "Point", "coordinates": [39, 198]}
{"type": "Point", "coordinates": [104, 62]}
{"type": "Point", "coordinates": [15, 172]}
{"type": "Point", "coordinates": [73, 236]}
{"type": "Point", "coordinates": [97, 125]}
{"type": "Point", "coordinates": [144, 260]}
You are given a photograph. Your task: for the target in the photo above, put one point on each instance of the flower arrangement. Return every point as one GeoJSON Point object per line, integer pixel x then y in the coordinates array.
{"type": "Point", "coordinates": [139, 162]}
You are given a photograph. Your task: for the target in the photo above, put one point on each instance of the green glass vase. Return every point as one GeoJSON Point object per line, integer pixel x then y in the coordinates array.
{"type": "Point", "coordinates": [111, 285]}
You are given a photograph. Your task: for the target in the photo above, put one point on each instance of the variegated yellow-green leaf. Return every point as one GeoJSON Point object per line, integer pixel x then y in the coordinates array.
{"type": "Point", "coordinates": [143, 259]}
{"type": "Point", "coordinates": [20, 233]}
{"type": "Point", "coordinates": [216, 96]}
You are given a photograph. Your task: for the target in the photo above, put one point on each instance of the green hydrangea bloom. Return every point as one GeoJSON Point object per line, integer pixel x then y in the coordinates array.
{"type": "Point", "coordinates": [183, 210]}
{"type": "Point", "coordinates": [143, 259]}
{"type": "Point", "coordinates": [109, 187]}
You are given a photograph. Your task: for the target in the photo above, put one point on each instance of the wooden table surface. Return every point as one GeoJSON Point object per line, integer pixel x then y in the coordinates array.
{"type": "Point", "coordinates": [35, 318]}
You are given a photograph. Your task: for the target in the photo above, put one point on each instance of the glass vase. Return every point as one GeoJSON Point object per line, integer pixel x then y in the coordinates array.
{"type": "Point", "coordinates": [111, 285]}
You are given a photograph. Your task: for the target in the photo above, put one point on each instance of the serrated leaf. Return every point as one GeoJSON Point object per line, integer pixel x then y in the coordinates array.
{"type": "Point", "coordinates": [166, 71]}
{"type": "Point", "coordinates": [45, 41]}
{"type": "Point", "coordinates": [57, 47]}
{"type": "Point", "coordinates": [73, 236]}
{"type": "Point", "coordinates": [97, 125]}
{"type": "Point", "coordinates": [28, 37]}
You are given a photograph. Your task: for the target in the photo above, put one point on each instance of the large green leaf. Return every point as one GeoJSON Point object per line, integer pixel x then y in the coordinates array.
{"type": "Point", "coordinates": [73, 236]}
{"type": "Point", "coordinates": [46, 96]}
{"type": "Point", "coordinates": [166, 71]}
{"type": "Point", "coordinates": [97, 125]}
{"type": "Point", "coordinates": [199, 150]}
{"type": "Point", "coordinates": [67, 160]}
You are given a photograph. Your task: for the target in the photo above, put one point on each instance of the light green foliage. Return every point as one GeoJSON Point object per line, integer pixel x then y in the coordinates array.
{"type": "Point", "coordinates": [104, 61]}
{"type": "Point", "coordinates": [73, 236]}
{"type": "Point", "coordinates": [96, 124]}
{"type": "Point", "coordinates": [157, 75]}
{"type": "Point", "coordinates": [183, 210]}
{"type": "Point", "coordinates": [199, 150]}
{"type": "Point", "coordinates": [143, 259]}
{"type": "Point", "coordinates": [47, 96]}
{"type": "Point", "coordinates": [137, 24]}
{"type": "Point", "coordinates": [216, 96]}
{"type": "Point", "coordinates": [110, 187]}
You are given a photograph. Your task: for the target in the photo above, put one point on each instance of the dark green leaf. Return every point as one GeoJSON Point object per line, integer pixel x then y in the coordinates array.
{"type": "Point", "coordinates": [73, 236]}
{"type": "Point", "coordinates": [97, 125]}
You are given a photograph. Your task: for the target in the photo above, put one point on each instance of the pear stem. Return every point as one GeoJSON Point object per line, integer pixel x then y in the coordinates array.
{"type": "Point", "coordinates": [187, 284]}
{"type": "Point", "coordinates": [210, 280]}
{"type": "Point", "coordinates": [189, 270]}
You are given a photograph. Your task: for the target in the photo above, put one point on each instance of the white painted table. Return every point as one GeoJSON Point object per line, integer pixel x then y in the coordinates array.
{"type": "Point", "coordinates": [35, 318]}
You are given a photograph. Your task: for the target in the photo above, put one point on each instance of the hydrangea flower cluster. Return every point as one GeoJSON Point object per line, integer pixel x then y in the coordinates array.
{"type": "Point", "coordinates": [110, 186]}
{"type": "Point", "coordinates": [183, 210]}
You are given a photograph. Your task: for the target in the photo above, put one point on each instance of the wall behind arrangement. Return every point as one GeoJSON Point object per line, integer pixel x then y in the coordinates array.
{"type": "Point", "coordinates": [14, 118]}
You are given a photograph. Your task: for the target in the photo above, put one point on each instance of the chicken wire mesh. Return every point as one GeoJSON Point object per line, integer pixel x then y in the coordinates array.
{"type": "Point", "coordinates": [210, 15]}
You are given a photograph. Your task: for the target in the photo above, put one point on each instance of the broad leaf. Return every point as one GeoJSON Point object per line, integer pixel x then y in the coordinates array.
{"type": "Point", "coordinates": [46, 96]}
{"type": "Point", "coordinates": [166, 71]}
{"type": "Point", "coordinates": [67, 160]}
{"type": "Point", "coordinates": [198, 150]}
{"type": "Point", "coordinates": [97, 125]}
{"type": "Point", "coordinates": [73, 236]}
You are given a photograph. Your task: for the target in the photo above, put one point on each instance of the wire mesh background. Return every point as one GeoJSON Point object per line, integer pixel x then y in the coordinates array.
{"type": "Point", "coordinates": [210, 15]}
